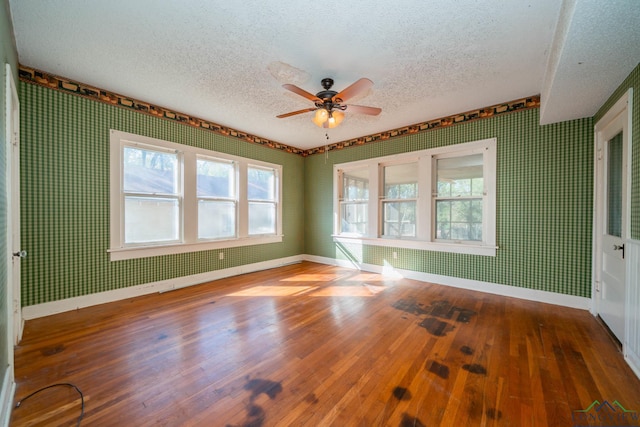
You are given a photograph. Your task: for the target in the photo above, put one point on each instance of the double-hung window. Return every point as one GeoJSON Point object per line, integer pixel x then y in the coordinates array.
{"type": "Point", "coordinates": [262, 198]}
{"type": "Point", "coordinates": [354, 202]}
{"type": "Point", "coordinates": [399, 200]}
{"type": "Point", "coordinates": [459, 197]}
{"type": "Point", "coordinates": [169, 198]}
{"type": "Point", "coordinates": [217, 198]}
{"type": "Point", "coordinates": [441, 199]}
{"type": "Point", "coordinates": [151, 195]}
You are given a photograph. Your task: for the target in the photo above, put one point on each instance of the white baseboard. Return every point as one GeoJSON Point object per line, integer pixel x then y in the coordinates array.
{"type": "Point", "coordinates": [6, 396]}
{"type": "Point", "coordinates": [474, 285]}
{"type": "Point", "coordinates": [49, 308]}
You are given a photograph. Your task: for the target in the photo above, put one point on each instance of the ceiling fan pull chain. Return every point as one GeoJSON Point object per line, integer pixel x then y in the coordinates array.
{"type": "Point", "coordinates": [326, 149]}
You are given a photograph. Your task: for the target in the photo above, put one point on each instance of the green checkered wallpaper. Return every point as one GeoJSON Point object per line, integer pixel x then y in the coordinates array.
{"type": "Point", "coordinates": [632, 81]}
{"type": "Point", "coordinates": [65, 198]}
{"type": "Point", "coordinates": [544, 199]}
{"type": "Point", "coordinates": [544, 204]}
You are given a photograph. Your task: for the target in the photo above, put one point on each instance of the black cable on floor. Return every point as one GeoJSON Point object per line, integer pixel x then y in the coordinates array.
{"type": "Point", "coordinates": [58, 385]}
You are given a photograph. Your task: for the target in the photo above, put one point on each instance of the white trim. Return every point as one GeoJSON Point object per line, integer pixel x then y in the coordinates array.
{"type": "Point", "coordinates": [623, 105]}
{"type": "Point", "coordinates": [14, 321]}
{"type": "Point", "coordinates": [6, 397]}
{"type": "Point", "coordinates": [571, 301]}
{"type": "Point", "coordinates": [456, 248]}
{"type": "Point", "coordinates": [182, 248]}
{"type": "Point", "coordinates": [55, 307]}
{"type": "Point", "coordinates": [631, 345]}
{"type": "Point", "coordinates": [49, 308]}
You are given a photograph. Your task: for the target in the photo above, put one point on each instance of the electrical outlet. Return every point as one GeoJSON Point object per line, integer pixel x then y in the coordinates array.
{"type": "Point", "coordinates": [395, 255]}
{"type": "Point", "coordinates": [221, 255]}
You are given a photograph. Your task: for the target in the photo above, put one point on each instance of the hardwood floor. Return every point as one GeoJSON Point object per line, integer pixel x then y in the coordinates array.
{"type": "Point", "coordinates": [314, 345]}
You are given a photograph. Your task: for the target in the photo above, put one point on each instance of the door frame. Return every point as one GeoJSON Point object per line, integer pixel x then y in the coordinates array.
{"type": "Point", "coordinates": [12, 156]}
{"type": "Point", "coordinates": [12, 124]}
{"type": "Point", "coordinates": [623, 109]}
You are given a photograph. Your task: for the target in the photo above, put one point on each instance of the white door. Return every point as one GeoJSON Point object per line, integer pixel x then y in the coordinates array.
{"type": "Point", "coordinates": [612, 145]}
{"type": "Point", "coordinates": [13, 210]}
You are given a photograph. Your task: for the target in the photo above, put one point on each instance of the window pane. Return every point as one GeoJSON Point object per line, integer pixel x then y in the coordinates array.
{"type": "Point", "coordinates": [354, 218]}
{"type": "Point", "coordinates": [460, 210]}
{"type": "Point", "coordinates": [149, 219]}
{"type": "Point", "coordinates": [476, 211]}
{"type": "Point", "coordinates": [459, 231]}
{"type": "Point", "coordinates": [459, 219]}
{"type": "Point", "coordinates": [261, 184]}
{"type": "Point", "coordinates": [401, 181]}
{"type": "Point", "coordinates": [399, 219]}
{"type": "Point", "coordinates": [262, 218]}
{"type": "Point", "coordinates": [216, 220]}
{"type": "Point", "coordinates": [443, 230]}
{"type": "Point", "coordinates": [460, 176]}
{"type": "Point", "coordinates": [148, 171]}
{"type": "Point", "coordinates": [614, 186]}
{"type": "Point", "coordinates": [355, 185]}
{"type": "Point", "coordinates": [216, 179]}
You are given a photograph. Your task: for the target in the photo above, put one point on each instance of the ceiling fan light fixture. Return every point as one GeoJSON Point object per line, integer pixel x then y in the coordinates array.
{"type": "Point", "coordinates": [320, 117]}
{"type": "Point", "coordinates": [335, 118]}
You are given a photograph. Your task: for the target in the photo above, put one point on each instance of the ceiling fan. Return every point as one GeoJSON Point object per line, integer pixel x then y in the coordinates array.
{"type": "Point", "coordinates": [329, 104]}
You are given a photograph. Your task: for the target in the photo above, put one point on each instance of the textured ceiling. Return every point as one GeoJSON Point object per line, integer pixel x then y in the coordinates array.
{"type": "Point", "coordinates": [226, 61]}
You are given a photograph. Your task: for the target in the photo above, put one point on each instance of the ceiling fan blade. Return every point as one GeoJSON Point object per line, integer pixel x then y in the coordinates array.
{"type": "Point", "coordinates": [301, 92]}
{"type": "Point", "coordinates": [293, 113]}
{"type": "Point", "coordinates": [360, 109]}
{"type": "Point", "coordinates": [351, 91]}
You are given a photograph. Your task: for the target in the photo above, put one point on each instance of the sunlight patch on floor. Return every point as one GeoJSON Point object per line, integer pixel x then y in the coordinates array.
{"type": "Point", "coordinates": [314, 278]}
{"type": "Point", "coordinates": [372, 277]}
{"type": "Point", "coordinates": [272, 291]}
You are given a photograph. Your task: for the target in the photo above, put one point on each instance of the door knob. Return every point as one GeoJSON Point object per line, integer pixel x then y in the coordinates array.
{"type": "Point", "coordinates": [20, 254]}
{"type": "Point", "coordinates": [619, 248]}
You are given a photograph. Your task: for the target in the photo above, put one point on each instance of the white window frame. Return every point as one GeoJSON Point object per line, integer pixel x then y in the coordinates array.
{"type": "Point", "coordinates": [273, 202]}
{"type": "Point", "coordinates": [178, 196]}
{"type": "Point", "coordinates": [342, 201]}
{"type": "Point", "coordinates": [189, 209]}
{"type": "Point", "coordinates": [233, 199]}
{"type": "Point", "coordinates": [425, 215]}
{"type": "Point", "coordinates": [383, 198]}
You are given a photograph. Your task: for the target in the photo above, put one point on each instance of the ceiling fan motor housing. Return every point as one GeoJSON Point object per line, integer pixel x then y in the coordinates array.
{"type": "Point", "coordinates": [327, 96]}
{"type": "Point", "coordinates": [326, 83]}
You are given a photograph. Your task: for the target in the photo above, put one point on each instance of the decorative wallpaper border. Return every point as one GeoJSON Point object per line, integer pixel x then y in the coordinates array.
{"type": "Point", "coordinates": [481, 113]}
{"type": "Point", "coordinates": [41, 78]}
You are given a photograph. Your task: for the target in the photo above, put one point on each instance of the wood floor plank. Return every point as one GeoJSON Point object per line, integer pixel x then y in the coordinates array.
{"type": "Point", "coordinates": [316, 345]}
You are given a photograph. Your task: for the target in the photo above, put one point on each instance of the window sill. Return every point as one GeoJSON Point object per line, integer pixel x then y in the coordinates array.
{"type": "Point", "coordinates": [120, 254]}
{"type": "Point", "coordinates": [458, 248]}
